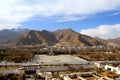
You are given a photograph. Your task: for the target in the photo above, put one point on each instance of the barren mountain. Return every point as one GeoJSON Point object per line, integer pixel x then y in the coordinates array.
{"type": "Point", "coordinates": [114, 42]}
{"type": "Point", "coordinates": [8, 34]}
{"type": "Point", "coordinates": [72, 38]}
{"type": "Point", "coordinates": [33, 37]}
{"type": "Point", "coordinates": [103, 41]}
{"type": "Point", "coordinates": [66, 37]}
{"type": "Point", "coordinates": [110, 42]}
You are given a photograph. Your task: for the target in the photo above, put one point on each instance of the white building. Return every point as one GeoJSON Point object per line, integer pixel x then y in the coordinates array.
{"type": "Point", "coordinates": [113, 69]}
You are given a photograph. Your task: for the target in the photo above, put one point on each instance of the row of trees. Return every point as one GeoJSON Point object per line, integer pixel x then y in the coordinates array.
{"type": "Point", "coordinates": [16, 55]}
{"type": "Point", "coordinates": [100, 54]}
{"type": "Point", "coordinates": [105, 56]}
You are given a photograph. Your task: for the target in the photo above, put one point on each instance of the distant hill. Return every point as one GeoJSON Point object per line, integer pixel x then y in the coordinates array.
{"type": "Point", "coordinates": [8, 34]}
{"type": "Point", "coordinates": [65, 37]}
{"type": "Point", "coordinates": [103, 41]}
{"type": "Point", "coordinates": [114, 42]}
{"type": "Point", "coordinates": [110, 42]}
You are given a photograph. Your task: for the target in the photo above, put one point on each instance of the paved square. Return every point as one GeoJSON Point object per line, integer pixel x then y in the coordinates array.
{"type": "Point", "coordinates": [58, 58]}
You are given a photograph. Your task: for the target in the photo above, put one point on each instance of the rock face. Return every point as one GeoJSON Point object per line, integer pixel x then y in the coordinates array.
{"type": "Point", "coordinates": [65, 37]}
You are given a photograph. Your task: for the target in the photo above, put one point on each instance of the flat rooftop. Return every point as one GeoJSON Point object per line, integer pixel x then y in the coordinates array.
{"type": "Point", "coordinates": [57, 58]}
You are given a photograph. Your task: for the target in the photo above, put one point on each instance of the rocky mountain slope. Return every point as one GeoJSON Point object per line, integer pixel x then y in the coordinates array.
{"type": "Point", "coordinates": [114, 42]}
{"type": "Point", "coordinates": [34, 38]}
{"type": "Point", "coordinates": [110, 42]}
{"type": "Point", "coordinates": [65, 37]}
{"type": "Point", "coordinates": [8, 34]}
{"type": "Point", "coordinates": [72, 38]}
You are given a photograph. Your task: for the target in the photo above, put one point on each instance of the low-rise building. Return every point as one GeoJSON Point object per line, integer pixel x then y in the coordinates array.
{"type": "Point", "coordinates": [113, 69]}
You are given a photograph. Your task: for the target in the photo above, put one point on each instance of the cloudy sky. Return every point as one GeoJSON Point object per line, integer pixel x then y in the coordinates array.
{"type": "Point", "coordinates": [96, 18]}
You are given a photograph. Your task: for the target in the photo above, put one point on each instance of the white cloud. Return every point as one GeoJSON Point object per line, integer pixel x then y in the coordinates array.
{"type": "Point", "coordinates": [114, 14]}
{"type": "Point", "coordinates": [9, 26]}
{"type": "Point", "coordinates": [103, 31]}
{"type": "Point", "coordinates": [17, 11]}
{"type": "Point", "coordinates": [12, 13]}
{"type": "Point", "coordinates": [71, 18]}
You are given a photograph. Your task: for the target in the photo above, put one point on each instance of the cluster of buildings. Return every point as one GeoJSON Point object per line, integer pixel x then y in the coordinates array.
{"type": "Point", "coordinates": [112, 66]}
{"type": "Point", "coordinates": [46, 67]}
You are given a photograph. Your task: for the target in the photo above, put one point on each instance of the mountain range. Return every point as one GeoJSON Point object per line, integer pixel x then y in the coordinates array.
{"type": "Point", "coordinates": [65, 37]}
{"type": "Point", "coordinates": [8, 34]}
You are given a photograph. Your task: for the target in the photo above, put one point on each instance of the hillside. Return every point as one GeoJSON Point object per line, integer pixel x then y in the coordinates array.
{"type": "Point", "coordinates": [8, 34]}
{"type": "Point", "coordinates": [72, 38]}
{"type": "Point", "coordinates": [65, 37]}
{"type": "Point", "coordinates": [34, 38]}
{"type": "Point", "coordinates": [114, 42]}
{"type": "Point", "coordinates": [110, 42]}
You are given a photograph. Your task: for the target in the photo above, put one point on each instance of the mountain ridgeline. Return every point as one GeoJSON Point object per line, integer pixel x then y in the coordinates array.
{"type": "Point", "coordinates": [65, 37]}
{"type": "Point", "coordinates": [8, 34]}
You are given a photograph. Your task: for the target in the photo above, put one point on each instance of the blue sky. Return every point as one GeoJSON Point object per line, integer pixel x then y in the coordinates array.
{"type": "Point", "coordinates": [77, 25]}
{"type": "Point", "coordinates": [96, 18]}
